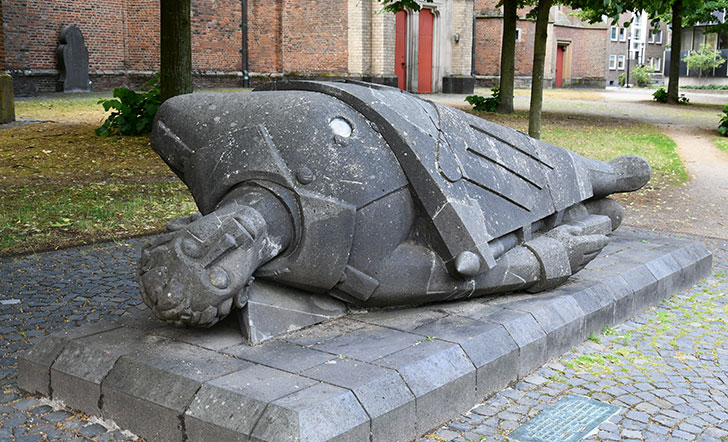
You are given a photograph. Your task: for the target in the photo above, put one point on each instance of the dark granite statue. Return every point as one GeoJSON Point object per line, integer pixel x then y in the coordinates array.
{"type": "Point", "coordinates": [73, 61]}
{"type": "Point", "coordinates": [369, 195]}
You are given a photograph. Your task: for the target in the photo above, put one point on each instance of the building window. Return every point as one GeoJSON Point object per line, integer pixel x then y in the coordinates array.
{"type": "Point", "coordinates": [518, 34]}
{"type": "Point", "coordinates": [614, 33]}
{"type": "Point", "coordinates": [622, 34]}
{"type": "Point", "coordinates": [652, 37]}
{"type": "Point", "coordinates": [658, 64]}
{"type": "Point", "coordinates": [658, 37]}
{"type": "Point", "coordinates": [612, 62]}
{"type": "Point", "coordinates": [620, 63]}
{"type": "Point", "coordinates": [637, 34]}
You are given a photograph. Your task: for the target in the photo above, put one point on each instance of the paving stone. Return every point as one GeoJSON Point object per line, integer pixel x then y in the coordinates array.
{"type": "Point", "coordinates": [441, 377]}
{"type": "Point", "coordinates": [392, 414]}
{"type": "Point", "coordinates": [226, 407]}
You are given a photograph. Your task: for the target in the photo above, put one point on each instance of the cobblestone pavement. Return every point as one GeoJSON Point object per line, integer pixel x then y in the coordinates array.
{"type": "Point", "coordinates": [667, 368]}
{"type": "Point", "coordinates": [46, 293]}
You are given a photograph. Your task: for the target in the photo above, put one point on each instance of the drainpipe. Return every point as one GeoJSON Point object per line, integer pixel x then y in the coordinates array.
{"type": "Point", "coordinates": [472, 44]}
{"type": "Point", "coordinates": [244, 51]}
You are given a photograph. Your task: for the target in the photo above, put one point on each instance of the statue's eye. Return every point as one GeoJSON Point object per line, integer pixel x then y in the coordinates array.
{"type": "Point", "coordinates": [340, 127]}
{"type": "Point", "coordinates": [191, 248]}
{"type": "Point", "coordinates": [219, 278]}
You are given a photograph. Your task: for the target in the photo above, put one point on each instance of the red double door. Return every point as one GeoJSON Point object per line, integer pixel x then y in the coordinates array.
{"type": "Point", "coordinates": [424, 50]}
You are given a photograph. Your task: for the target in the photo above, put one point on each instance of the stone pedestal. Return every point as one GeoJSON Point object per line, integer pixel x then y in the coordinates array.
{"type": "Point", "coordinates": [388, 375]}
{"type": "Point", "coordinates": [7, 99]}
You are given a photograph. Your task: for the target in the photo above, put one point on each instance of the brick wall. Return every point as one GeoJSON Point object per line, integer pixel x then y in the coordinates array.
{"type": "Point", "coordinates": [588, 50]}
{"type": "Point", "coordinates": [32, 28]}
{"type": "Point", "coordinates": [488, 36]}
{"type": "Point", "coordinates": [2, 40]}
{"type": "Point", "coordinates": [264, 35]}
{"type": "Point", "coordinates": [314, 36]}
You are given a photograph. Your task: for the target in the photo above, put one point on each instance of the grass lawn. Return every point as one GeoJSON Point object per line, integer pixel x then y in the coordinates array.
{"type": "Point", "coordinates": [606, 139]}
{"type": "Point", "coordinates": [62, 185]}
{"type": "Point", "coordinates": [721, 143]}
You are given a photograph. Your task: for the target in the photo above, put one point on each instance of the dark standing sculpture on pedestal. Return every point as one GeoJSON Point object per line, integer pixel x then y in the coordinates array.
{"type": "Point", "coordinates": [73, 61]}
{"type": "Point", "coordinates": [368, 195]}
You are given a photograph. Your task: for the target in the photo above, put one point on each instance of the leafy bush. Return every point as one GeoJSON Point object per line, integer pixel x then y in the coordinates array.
{"type": "Point", "coordinates": [641, 75]}
{"type": "Point", "coordinates": [483, 104]}
{"type": "Point", "coordinates": [660, 95]}
{"type": "Point", "coordinates": [133, 112]}
{"type": "Point", "coordinates": [704, 59]}
{"type": "Point", "coordinates": [723, 126]}
{"type": "Point", "coordinates": [622, 79]}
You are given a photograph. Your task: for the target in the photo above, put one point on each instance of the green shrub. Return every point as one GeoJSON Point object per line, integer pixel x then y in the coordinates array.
{"type": "Point", "coordinates": [622, 79]}
{"type": "Point", "coordinates": [133, 112]}
{"type": "Point", "coordinates": [660, 95]}
{"type": "Point", "coordinates": [641, 75]}
{"type": "Point", "coordinates": [483, 104]}
{"type": "Point", "coordinates": [723, 126]}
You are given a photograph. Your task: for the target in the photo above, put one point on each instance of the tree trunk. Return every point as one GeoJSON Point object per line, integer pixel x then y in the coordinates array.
{"type": "Point", "coordinates": [176, 49]}
{"type": "Point", "coordinates": [539, 58]}
{"type": "Point", "coordinates": [508, 53]}
{"type": "Point", "coordinates": [673, 85]}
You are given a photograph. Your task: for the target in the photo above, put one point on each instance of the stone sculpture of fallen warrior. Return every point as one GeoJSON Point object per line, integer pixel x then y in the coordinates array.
{"type": "Point", "coordinates": [369, 195]}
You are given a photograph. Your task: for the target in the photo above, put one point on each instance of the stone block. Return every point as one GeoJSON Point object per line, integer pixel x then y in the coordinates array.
{"type": "Point", "coordinates": [561, 319]}
{"type": "Point", "coordinates": [381, 391]}
{"type": "Point", "coordinates": [441, 377]}
{"type": "Point", "coordinates": [527, 334]}
{"type": "Point", "coordinates": [272, 310]}
{"type": "Point", "coordinates": [667, 271]}
{"type": "Point", "coordinates": [703, 259]}
{"type": "Point", "coordinates": [148, 392]}
{"type": "Point", "coordinates": [34, 364]}
{"type": "Point", "coordinates": [227, 408]}
{"type": "Point", "coordinates": [369, 343]}
{"type": "Point", "coordinates": [644, 284]}
{"type": "Point", "coordinates": [598, 306]}
{"type": "Point", "coordinates": [224, 334]}
{"type": "Point", "coordinates": [7, 99]}
{"type": "Point", "coordinates": [322, 412]}
{"type": "Point", "coordinates": [489, 346]}
{"type": "Point", "coordinates": [401, 319]}
{"type": "Point", "coordinates": [281, 355]}
{"type": "Point", "coordinates": [77, 373]}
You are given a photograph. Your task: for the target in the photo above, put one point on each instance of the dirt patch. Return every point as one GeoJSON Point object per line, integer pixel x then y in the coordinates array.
{"type": "Point", "coordinates": [699, 207]}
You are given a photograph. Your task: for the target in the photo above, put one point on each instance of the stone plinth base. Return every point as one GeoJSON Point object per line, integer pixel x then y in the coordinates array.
{"type": "Point", "coordinates": [392, 374]}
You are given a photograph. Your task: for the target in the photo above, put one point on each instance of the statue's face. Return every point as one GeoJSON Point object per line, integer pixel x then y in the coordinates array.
{"type": "Point", "coordinates": [191, 277]}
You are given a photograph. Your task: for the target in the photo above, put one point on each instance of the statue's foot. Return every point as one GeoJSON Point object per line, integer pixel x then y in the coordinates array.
{"type": "Point", "coordinates": [632, 172]}
{"type": "Point", "coordinates": [192, 275]}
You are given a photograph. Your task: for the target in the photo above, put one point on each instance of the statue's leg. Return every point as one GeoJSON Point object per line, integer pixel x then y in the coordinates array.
{"type": "Point", "coordinates": [623, 174]}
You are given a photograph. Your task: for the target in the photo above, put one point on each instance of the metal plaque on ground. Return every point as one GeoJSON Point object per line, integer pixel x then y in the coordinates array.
{"type": "Point", "coordinates": [568, 420]}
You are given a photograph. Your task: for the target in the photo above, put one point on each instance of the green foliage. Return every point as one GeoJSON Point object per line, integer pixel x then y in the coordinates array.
{"type": "Point", "coordinates": [660, 95]}
{"type": "Point", "coordinates": [483, 104]}
{"type": "Point", "coordinates": [704, 59]}
{"type": "Point", "coordinates": [133, 112]}
{"type": "Point", "coordinates": [622, 79]}
{"type": "Point", "coordinates": [708, 87]}
{"type": "Point", "coordinates": [399, 5]}
{"type": "Point", "coordinates": [723, 126]}
{"type": "Point", "coordinates": [641, 75]}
